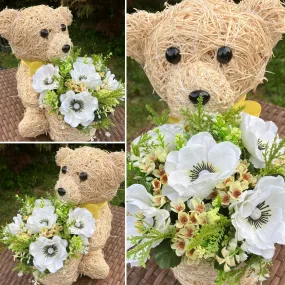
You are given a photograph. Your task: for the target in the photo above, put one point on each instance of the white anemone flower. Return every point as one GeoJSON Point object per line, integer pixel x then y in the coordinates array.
{"type": "Point", "coordinates": [78, 108]}
{"type": "Point", "coordinates": [86, 60]}
{"type": "Point", "coordinates": [256, 133]}
{"type": "Point", "coordinates": [110, 81]}
{"type": "Point", "coordinates": [168, 131]}
{"type": "Point", "coordinates": [41, 218]}
{"type": "Point", "coordinates": [41, 203]}
{"type": "Point", "coordinates": [45, 78]}
{"type": "Point", "coordinates": [82, 222]}
{"type": "Point", "coordinates": [259, 217]}
{"type": "Point", "coordinates": [197, 168]}
{"type": "Point", "coordinates": [86, 73]}
{"type": "Point", "coordinates": [140, 203]}
{"type": "Point", "coordinates": [49, 254]}
{"type": "Point", "coordinates": [16, 227]}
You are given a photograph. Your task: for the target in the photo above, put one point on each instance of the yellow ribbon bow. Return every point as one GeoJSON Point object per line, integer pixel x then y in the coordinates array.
{"type": "Point", "coordinates": [251, 107]}
{"type": "Point", "coordinates": [94, 209]}
{"type": "Point", "coordinates": [33, 65]}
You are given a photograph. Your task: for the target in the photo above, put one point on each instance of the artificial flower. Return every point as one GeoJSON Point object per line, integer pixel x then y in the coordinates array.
{"type": "Point", "coordinates": [140, 201]}
{"type": "Point", "coordinates": [82, 222]}
{"type": "Point", "coordinates": [84, 59]}
{"type": "Point", "coordinates": [183, 220]}
{"type": "Point", "coordinates": [41, 203]}
{"type": "Point", "coordinates": [85, 73]}
{"type": "Point", "coordinates": [179, 246]}
{"type": "Point", "coordinates": [49, 254]}
{"type": "Point", "coordinates": [197, 168]}
{"type": "Point", "coordinates": [110, 81]}
{"type": "Point", "coordinates": [259, 217]}
{"type": "Point", "coordinates": [187, 232]}
{"type": "Point", "coordinates": [41, 218]}
{"type": "Point", "coordinates": [177, 207]}
{"type": "Point", "coordinates": [78, 108]}
{"type": "Point", "coordinates": [46, 78]}
{"type": "Point", "coordinates": [16, 227]}
{"type": "Point", "coordinates": [256, 134]}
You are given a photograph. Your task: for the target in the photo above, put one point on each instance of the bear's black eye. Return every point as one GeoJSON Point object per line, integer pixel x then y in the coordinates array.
{"type": "Point", "coordinates": [63, 27]}
{"type": "Point", "coordinates": [173, 55]}
{"type": "Point", "coordinates": [83, 176]}
{"type": "Point", "coordinates": [44, 33]}
{"type": "Point", "coordinates": [64, 169]}
{"type": "Point", "coordinates": [224, 55]}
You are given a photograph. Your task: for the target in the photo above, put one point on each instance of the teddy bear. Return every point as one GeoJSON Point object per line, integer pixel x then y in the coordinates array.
{"type": "Point", "coordinates": [214, 49]}
{"type": "Point", "coordinates": [37, 35]}
{"type": "Point", "coordinates": [89, 177]}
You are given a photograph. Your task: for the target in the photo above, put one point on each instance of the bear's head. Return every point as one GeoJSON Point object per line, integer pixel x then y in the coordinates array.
{"type": "Point", "coordinates": [216, 49]}
{"type": "Point", "coordinates": [37, 33]}
{"type": "Point", "coordinates": [89, 175]}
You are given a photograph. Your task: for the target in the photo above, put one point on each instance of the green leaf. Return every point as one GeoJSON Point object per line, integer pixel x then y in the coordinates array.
{"type": "Point", "coordinates": [165, 256]}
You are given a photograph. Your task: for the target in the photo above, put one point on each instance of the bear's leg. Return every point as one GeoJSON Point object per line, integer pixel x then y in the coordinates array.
{"type": "Point", "coordinates": [94, 265]}
{"type": "Point", "coordinates": [34, 123]}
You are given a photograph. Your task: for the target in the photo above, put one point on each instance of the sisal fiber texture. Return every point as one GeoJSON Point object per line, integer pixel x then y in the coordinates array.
{"type": "Point", "coordinates": [203, 274]}
{"type": "Point", "coordinates": [198, 29]}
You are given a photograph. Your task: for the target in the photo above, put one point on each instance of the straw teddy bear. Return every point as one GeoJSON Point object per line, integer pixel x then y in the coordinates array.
{"type": "Point", "coordinates": [89, 177]}
{"type": "Point", "coordinates": [216, 49]}
{"type": "Point", "coordinates": [37, 35]}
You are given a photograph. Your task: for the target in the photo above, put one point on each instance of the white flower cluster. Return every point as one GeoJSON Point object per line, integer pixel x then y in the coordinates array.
{"type": "Point", "coordinates": [198, 167]}
{"type": "Point", "coordinates": [76, 107]}
{"type": "Point", "coordinates": [49, 253]}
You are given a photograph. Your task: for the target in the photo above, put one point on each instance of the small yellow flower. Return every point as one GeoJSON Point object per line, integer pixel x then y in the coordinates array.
{"type": "Point", "coordinates": [183, 220]}
{"type": "Point", "coordinates": [159, 172]}
{"type": "Point", "coordinates": [187, 232]}
{"type": "Point", "coordinates": [177, 207]}
{"type": "Point", "coordinates": [180, 246]}
{"type": "Point", "coordinates": [164, 179]}
{"type": "Point", "coordinates": [159, 200]}
{"type": "Point", "coordinates": [156, 184]}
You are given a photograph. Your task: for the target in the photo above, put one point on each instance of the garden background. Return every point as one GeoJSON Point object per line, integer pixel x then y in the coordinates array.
{"type": "Point", "coordinates": [30, 169]}
{"type": "Point", "coordinates": [98, 27]}
{"type": "Point", "coordinates": [140, 92]}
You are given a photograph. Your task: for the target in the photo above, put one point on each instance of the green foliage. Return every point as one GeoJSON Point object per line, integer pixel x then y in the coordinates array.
{"type": "Point", "coordinates": [156, 118]}
{"type": "Point", "coordinates": [143, 243]}
{"type": "Point", "coordinates": [274, 152]}
{"type": "Point", "coordinates": [165, 256]}
{"type": "Point", "coordinates": [210, 235]}
{"type": "Point", "coordinates": [51, 100]}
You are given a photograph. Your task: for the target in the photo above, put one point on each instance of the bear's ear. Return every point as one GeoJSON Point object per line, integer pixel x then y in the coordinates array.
{"type": "Point", "coordinates": [65, 13]}
{"type": "Point", "coordinates": [119, 160]}
{"type": "Point", "coordinates": [273, 14]}
{"type": "Point", "coordinates": [7, 17]}
{"type": "Point", "coordinates": [139, 26]}
{"type": "Point", "coordinates": [61, 154]}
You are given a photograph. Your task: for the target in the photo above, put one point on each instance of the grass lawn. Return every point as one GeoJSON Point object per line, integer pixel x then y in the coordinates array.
{"type": "Point", "coordinates": [33, 172]}
{"type": "Point", "coordinates": [140, 92]}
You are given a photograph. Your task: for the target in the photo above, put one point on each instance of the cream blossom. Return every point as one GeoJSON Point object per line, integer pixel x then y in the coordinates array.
{"type": "Point", "coordinates": [197, 168]}
{"type": "Point", "coordinates": [16, 227]}
{"type": "Point", "coordinates": [81, 222]}
{"type": "Point", "coordinates": [256, 133]}
{"type": "Point", "coordinates": [259, 217]}
{"type": "Point", "coordinates": [49, 254]}
{"type": "Point", "coordinates": [78, 108]}
{"type": "Point", "coordinates": [46, 78]}
{"type": "Point", "coordinates": [86, 73]}
{"type": "Point", "coordinates": [110, 81]}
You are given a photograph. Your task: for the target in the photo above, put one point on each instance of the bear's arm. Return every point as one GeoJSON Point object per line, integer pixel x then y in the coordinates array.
{"type": "Point", "coordinates": [26, 91]}
{"type": "Point", "coordinates": [103, 229]}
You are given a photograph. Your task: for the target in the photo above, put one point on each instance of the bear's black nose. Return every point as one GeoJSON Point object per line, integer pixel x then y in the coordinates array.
{"type": "Point", "coordinates": [193, 97]}
{"type": "Point", "coordinates": [61, 191]}
{"type": "Point", "coordinates": [66, 48]}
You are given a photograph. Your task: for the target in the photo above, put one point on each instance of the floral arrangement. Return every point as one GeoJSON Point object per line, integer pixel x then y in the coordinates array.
{"type": "Point", "coordinates": [81, 89]}
{"type": "Point", "coordinates": [46, 233]}
{"type": "Point", "coordinates": [208, 189]}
